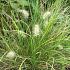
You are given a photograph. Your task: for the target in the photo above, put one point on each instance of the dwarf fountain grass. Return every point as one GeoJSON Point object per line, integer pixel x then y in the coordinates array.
{"type": "Point", "coordinates": [35, 50]}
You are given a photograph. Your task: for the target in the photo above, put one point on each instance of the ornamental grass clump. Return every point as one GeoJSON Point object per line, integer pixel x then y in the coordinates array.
{"type": "Point", "coordinates": [34, 34]}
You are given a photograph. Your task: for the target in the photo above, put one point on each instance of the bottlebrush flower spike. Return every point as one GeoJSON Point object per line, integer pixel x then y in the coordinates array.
{"type": "Point", "coordinates": [46, 15]}
{"type": "Point", "coordinates": [36, 30]}
{"type": "Point", "coordinates": [11, 54]}
{"type": "Point", "coordinates": [25, 13]}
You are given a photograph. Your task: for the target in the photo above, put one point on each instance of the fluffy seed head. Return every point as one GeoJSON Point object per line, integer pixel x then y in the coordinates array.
{"type": "Point", "coordinates": [46, 15]}
{"type": "Point", "coordinates": [25, 13]}
{"type": "Point", "coordinates": [36, 30]}
{"type": "Point", "coordinates": [11, 54]}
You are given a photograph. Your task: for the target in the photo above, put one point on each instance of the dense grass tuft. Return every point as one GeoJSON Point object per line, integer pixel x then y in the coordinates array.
{"type": "Point", "coordinates": [34, 34]}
